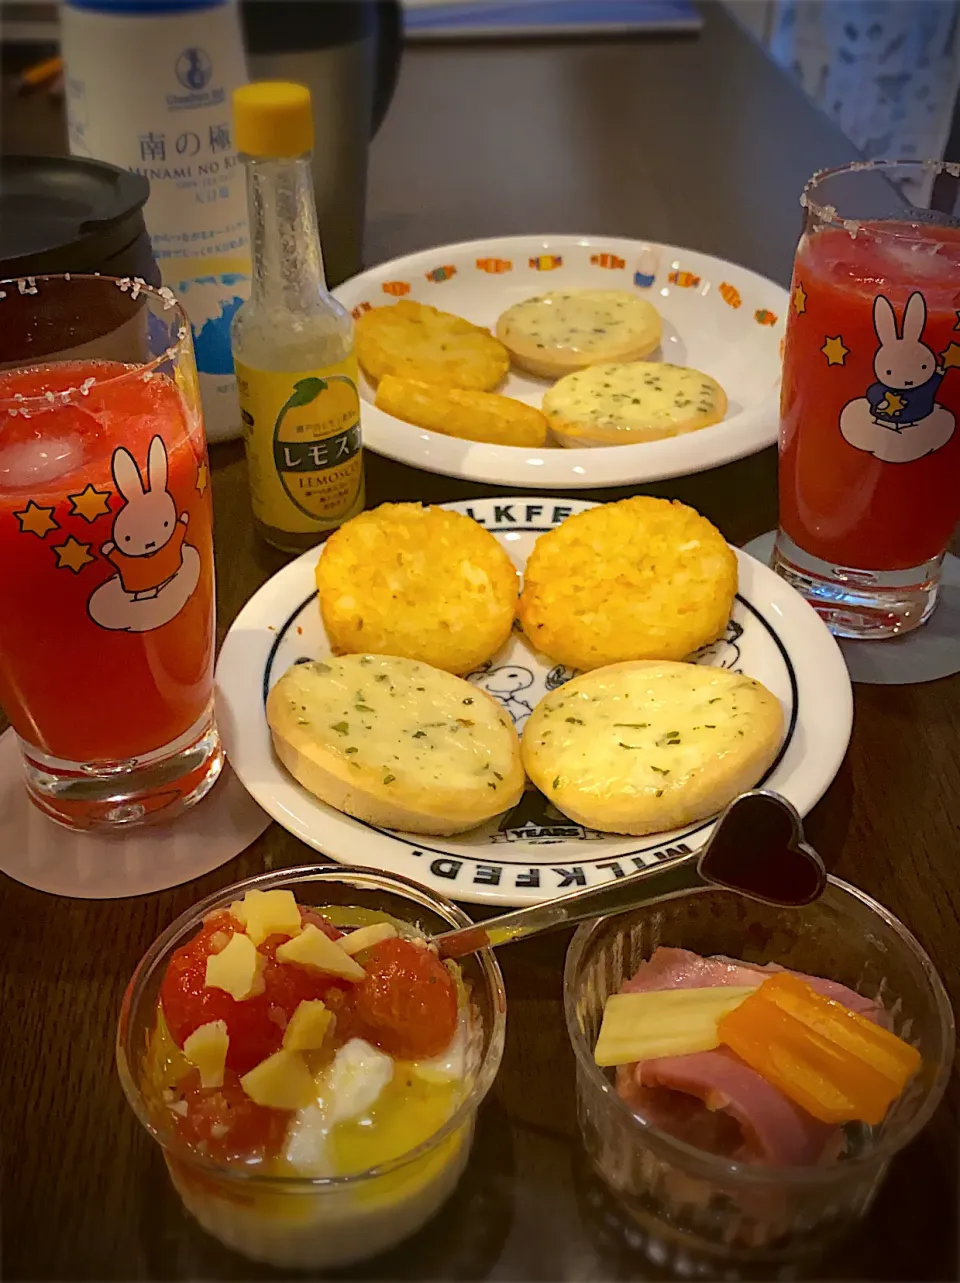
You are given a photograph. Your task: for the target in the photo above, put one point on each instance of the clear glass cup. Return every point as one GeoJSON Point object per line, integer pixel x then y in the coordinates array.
{"type": "Point", "coordinates": [699, 1213]}
{"type": "Point", "coordinates": [323, 1222]}
{"type": "Point", "coordinates": [106, 551]}
{"type": "Point", "coordinates": [869, 452]}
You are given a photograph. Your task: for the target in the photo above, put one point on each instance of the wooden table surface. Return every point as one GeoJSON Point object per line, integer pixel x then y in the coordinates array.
{"type": "Point", "coordinates": [698, 141]}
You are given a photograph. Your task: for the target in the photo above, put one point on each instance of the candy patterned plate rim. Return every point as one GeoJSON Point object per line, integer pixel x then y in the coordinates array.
{"type": "Point", "coordinates": [731, 317]}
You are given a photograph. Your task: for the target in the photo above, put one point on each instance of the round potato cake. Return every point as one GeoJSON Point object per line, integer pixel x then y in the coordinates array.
{"type": "Point", "coordinates": [416, 341]}
{"type": "Point", "coordinates": [648, 747]}
{"type": "Point", "coordinates": [423, 583]}
{"type": "Point", "coordinates": [640, 579]}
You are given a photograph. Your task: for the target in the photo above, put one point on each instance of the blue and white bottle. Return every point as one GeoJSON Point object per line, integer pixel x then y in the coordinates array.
{"type": "Point", "coordinates": [149, 85]}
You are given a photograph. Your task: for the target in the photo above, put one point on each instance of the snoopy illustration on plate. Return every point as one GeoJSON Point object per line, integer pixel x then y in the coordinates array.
{"type": "Point", "coordinates": [505, 684]}
{"type": "Point", "coordinates": [157, 570]}
{"type": "Point", "coordinates": [899, 419]}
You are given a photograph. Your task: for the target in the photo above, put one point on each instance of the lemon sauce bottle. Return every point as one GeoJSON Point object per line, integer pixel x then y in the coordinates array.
{"type": "Point", "coordinates": [292, 341]}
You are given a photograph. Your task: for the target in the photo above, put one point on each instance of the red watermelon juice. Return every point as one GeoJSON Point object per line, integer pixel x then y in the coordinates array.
{"type": "Point", "coordinates": [869, 456]}
{"type": "Point", "coordinates": [106, 566]}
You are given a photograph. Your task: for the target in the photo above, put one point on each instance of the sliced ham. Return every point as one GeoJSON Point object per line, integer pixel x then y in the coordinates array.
{"type": "Point", "coordinates": [681, 969]}
{"type": "Point", "coordinates": [867, 1007]}
{"type": "Point", "coordinates": [770, 1128]}
{"type": "Point", "coordinates": [682, 1115]}
{"type": "Point", "coordinates": [711, 1099]}
{"type": "Point", "coordinates": [671, 968]}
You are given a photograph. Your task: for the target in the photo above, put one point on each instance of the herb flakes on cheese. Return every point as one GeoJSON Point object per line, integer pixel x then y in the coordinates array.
{"type": "Point", "coordinates": [638, 401]}
{"type": "Point", "coordinates": [666, 770]}
{"type": "Point", "coordinates": [400, 752]}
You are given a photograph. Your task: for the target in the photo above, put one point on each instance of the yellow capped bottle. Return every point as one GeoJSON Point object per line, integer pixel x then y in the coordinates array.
{"type": "Point", "coordinates": [292, 341]}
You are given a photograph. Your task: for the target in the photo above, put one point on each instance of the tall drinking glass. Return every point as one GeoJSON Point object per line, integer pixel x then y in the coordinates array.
{"type": "Point", "coordinates": [869, 452]}
{"type": "Point", "coordinates": [106, 551]}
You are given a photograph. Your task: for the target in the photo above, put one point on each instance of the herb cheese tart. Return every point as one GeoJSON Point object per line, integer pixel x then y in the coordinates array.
{"type": "Point", "coordinates": [646, 747]}
{"type": "Point", "coordinates": [552, 334]}
{"type": "Point", "coordinates": [641, 401]}
{"type": "Point", "coordinates": [396, 743]}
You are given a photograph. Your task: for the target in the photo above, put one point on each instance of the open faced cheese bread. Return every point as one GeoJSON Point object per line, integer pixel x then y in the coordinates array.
{"type": "Point", "coordinates": [396, 743]}
{"type": "Point", "coordinates": [646, 747]}
{"type": "Point", "coordinates": [627, 404]}
{"type": "Point", "coordinates": [552, 334]}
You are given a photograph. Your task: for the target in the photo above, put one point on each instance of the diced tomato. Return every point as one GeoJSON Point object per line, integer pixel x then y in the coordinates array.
{"type": "Point", "coordinates": [226, 1124]}
{"type": "Point", "coordinates": [406, 1004]}
{"type": "Point", "coordinates": [255, 1026]}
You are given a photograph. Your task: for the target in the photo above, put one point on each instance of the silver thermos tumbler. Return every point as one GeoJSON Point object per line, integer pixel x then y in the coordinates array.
{"type": "Point", "coordinates": [347, 53]}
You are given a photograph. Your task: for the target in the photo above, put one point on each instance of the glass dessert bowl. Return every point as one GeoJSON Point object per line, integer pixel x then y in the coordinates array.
{"type": "Point", "coordinates": [314, 1096]}
{"type": "Point", "coordinates": [719, 1172]}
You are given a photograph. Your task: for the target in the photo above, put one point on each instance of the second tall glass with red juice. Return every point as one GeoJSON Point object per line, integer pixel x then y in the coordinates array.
{"type": "Point", "coordinates": [869, 452]}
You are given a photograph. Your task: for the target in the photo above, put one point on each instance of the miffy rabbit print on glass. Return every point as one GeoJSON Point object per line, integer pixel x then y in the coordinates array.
{"type": "Point", "coordinates": [899, 419]}
{"type": "Point", "coordinates": [869, 452]}
{"type": "Point", "coordinates": [157, 571]}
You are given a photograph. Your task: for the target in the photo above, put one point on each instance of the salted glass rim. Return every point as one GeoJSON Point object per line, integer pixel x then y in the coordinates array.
{"type": "Point", "coordinates": [356, 875]}
{"type": "Point", "coordinates": [711, 1166]}
{"type": "Point", "coordinates": [133, 285]}
{"type": "Point", "coordinates": [827, 213]}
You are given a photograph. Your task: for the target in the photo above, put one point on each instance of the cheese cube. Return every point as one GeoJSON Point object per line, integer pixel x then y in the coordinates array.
{"type": "Point", "coordinates": [317, 952]}
{"type": "Point", "coordinates": [206, 1049]}
{"type": "Point", "coordinates": [282, 1081]}
{"type": "Point", "coordinates": [237, 968]}
{"type": "Point", "coordinates": [308, 1026]}
{"type": "Point", "coordinates": [267, 913]}
{"type": "Point", "coordinates": [366, 937]}
{"type": "Point", "coordinates": [664, 1022]}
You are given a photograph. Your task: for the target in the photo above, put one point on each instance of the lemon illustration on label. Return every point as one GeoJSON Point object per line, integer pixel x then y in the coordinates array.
{"type": "Point", "coordinates": [316, 445]}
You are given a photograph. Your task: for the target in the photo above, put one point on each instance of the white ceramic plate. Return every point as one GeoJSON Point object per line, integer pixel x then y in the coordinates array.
{"type": "Point", "coordinates": [534, 852]}
{"type": "Point", "coordinates": [717, 317]}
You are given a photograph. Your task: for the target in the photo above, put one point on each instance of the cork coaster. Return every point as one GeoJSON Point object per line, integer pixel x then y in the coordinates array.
{"type": "Point", "coordinates": [95, 866]}
{"type": "Point", "coordinates": [924, 655]}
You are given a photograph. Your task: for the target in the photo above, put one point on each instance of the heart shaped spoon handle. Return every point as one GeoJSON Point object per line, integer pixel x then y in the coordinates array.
{"type": "Point", "coordinates": [756, 849]}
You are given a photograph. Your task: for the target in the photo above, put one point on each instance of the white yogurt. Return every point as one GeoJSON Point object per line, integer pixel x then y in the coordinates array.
{"type": "Point", "coordinates": [285, 1224]}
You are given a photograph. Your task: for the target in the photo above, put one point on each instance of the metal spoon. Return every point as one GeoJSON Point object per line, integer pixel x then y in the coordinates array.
{"type": "Point", "coordinates": [756, 848]}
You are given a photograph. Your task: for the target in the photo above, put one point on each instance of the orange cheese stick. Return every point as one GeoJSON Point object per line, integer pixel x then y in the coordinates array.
{"type": "Point", "coordinates": [833, 1063]}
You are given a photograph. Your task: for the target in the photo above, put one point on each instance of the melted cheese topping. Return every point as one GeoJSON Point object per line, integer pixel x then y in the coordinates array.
{"type": "Point", "coordinates": [585, 321]}
{"type": "Point", "coordinates": [636, 396]}
{"type": "Point", "coordinates": [414, 725]}
{"type": "Point", "coordinates": [644, 733]}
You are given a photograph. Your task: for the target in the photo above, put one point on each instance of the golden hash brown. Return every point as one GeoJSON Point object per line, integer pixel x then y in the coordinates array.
{"type": "Point", "coordinates": [422, 583]}
{"type": "Point", "coordinates": [472, 416]}
{"type": "Point", "coordinates": [415, 341]}
{"type": "Point", "coordinates": [640, 579]}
